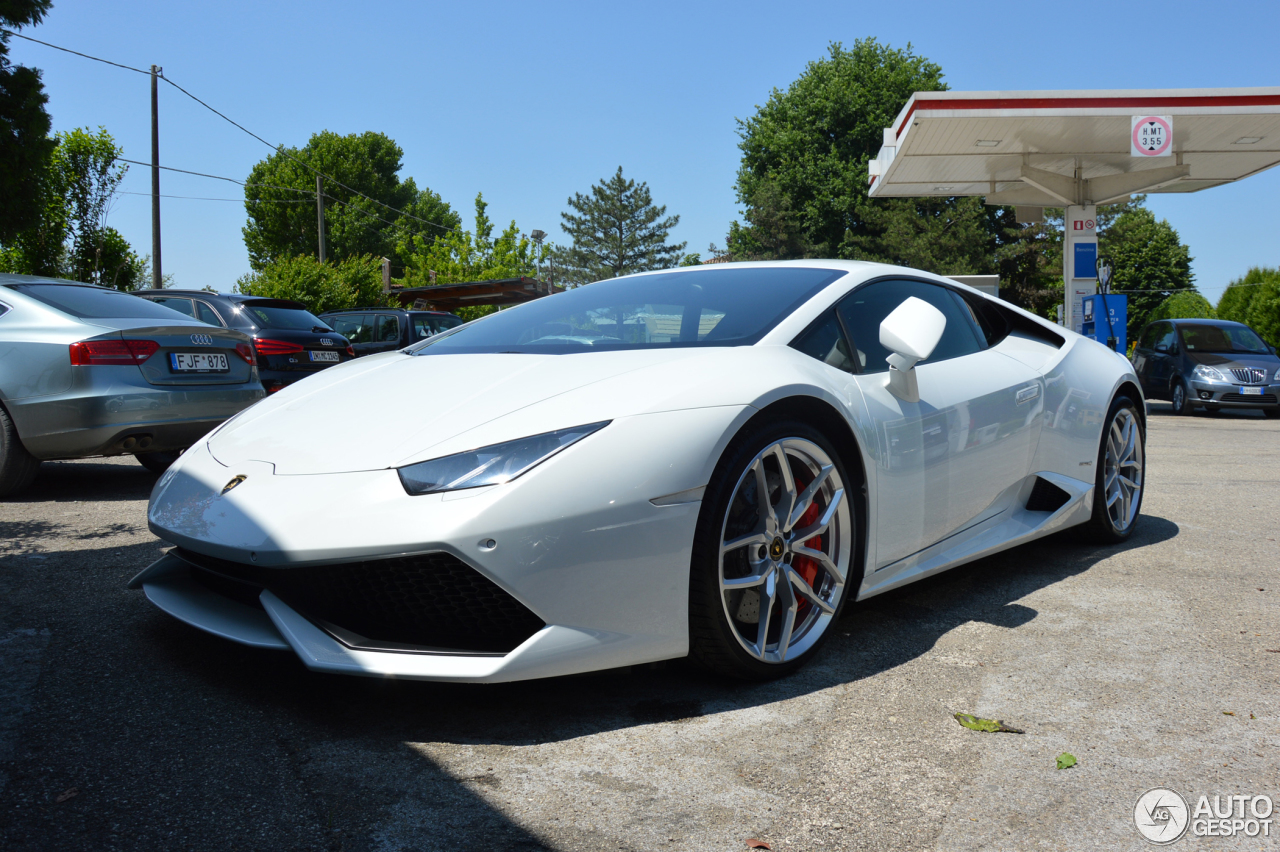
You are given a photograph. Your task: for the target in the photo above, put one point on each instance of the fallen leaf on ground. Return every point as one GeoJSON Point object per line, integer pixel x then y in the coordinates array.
{"type": "Point", "coordinates": [67, 794]}
{"type": "Point", "coordinates": [1227, 713]}
{"type": "Point", "coordinates": [758, 844]}
{"type": "Point", "coordinates": [990, 726]}
{"type": "Point", "coordinates": [1273, 650]}
{"type": "Point", "coordinates": [1066, 760]}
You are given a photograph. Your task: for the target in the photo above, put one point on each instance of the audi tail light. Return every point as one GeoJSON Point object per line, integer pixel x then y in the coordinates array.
{"type": "Point", "coordinates": [93, 353]}
{"type": "Point", "coordinates": [351, 350]}
{"type": "Point", "coordinates": [276, 347]}
{"type": "Point", "coordinates": [245, 351]}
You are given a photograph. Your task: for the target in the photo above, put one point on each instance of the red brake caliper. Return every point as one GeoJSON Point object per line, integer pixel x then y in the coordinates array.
{"type": "Point", "coordinates": [806, 567]}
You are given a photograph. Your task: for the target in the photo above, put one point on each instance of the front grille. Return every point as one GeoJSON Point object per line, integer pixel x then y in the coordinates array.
{"type": "Point", "coordinates": [432, 602]}
{"type": "Point", "coordinates": [1249, 375]}
{"type": "Point", "coordinates": [1264, 399]}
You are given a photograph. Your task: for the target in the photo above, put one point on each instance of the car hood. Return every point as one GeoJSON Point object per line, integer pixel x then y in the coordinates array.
{"type": "Point", "coordinates": [393, 409]}
{"type": "Point", "coordinates": [1229, 360]}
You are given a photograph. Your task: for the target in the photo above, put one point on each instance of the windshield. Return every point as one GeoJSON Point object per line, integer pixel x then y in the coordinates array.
{"type": "Point", "coordinates": [272, 316]}
{"type": "Point", "coordinates": [703, 307]}
{"type": "Point", "coordinates": [88, 302]}
{"type": "Point", "coordinates": [1223, 338]}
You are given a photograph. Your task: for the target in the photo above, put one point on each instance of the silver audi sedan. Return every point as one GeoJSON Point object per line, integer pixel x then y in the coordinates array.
{"type": "Point", "coordinates": [89, 371]}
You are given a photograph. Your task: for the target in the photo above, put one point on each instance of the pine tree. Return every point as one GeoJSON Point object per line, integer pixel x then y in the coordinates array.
{"type": "Point", "coordinates": [616, 230]}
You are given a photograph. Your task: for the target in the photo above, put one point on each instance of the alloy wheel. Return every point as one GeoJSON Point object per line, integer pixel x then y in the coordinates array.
{"type": "Point", "coordinates": [1123, 470]}
{"type": "Point", "coordinates": [785, 547]}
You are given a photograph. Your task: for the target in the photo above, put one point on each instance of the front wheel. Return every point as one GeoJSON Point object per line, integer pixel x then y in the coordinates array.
{"type": "Point", "coordinates": [1121, 474]}
{"type": "Point", "coordinates": [1181, 401]}
{"type": "Point", "coordinates": [772, 553]}
{"type": "Point", "coordinates": [1273, 413]}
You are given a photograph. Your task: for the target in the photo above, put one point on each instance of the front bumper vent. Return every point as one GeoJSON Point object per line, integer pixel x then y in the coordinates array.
{"type": "Point", "coordinates": [429, 603]}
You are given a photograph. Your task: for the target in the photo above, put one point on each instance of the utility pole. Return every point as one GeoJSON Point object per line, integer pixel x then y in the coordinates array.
{"type": "Point", "coordinates": [157, 279]}
{"type": "Point", "coordinates": [320, 215]}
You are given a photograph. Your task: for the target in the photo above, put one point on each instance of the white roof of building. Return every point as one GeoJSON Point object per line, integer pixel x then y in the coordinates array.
{"type": "Point", "coordinates": [1026, 147]}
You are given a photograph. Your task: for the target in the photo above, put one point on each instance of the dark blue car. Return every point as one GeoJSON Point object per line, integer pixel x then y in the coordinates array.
{"type": "Point", "coordinates": [1207, 362]}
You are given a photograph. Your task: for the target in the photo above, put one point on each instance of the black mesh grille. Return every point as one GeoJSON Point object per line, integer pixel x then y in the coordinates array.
{"type": "Point", "coordinates": [432, 602]}
{"type": "Point", "coordinates": [1265, 399]}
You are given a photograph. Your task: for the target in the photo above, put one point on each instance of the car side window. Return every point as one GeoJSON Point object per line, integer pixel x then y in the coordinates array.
{"type": "Point", "coordinates": [350, 327]}
{"type": "Point", "coordinates": [865, 308]}
{"type": "Point", "coordinates": [182, 306]}
{"type": "Point", "coordinates": [207, 314]}
{"type": "Point", "coordinates": [825, 341]}
{"type": "Point", "coordinates": [1166, 340]}
{"type": "Point", "coordinates": [388, 328]}
{"type": "Point", "coordinates": [1148, 339]}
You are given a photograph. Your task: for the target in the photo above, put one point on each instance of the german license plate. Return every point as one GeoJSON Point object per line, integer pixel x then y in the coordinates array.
{"type": "Point", "coordinates": [199, 362]}
{"type": "Point", "coordinates": [324, 356]}
{"type": "Point", "coordinates": [1251, 391]}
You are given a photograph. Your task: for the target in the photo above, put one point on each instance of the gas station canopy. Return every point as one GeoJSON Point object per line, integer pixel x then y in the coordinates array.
{"type": "Point", "coordinates": [1054, 149]}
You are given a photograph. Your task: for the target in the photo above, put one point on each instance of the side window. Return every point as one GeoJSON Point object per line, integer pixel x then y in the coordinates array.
{"type": "Point", "coordinates": [865, 308]}
{"type": "Point", "coordinates": [825, 341]}
{"type": "Point", "coordinates": [350, 327]}
{"type": "Point", "coordinates": [208, 314]}
{"type": "Point", "coordinates": [1148, 339]}
{"type": "Point", "coordinates": [182, 306]}
{"type": "Point", "coordinates": [1165, 339]}
{"type": "Point", "coordinates": [388, 329]}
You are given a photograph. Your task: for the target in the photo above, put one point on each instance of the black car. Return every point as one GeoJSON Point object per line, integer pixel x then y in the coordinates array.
{"type": "Point", "coordinates": [1213, 363]}
{"type": "Point", "coordinates": [289, 342]}
{"type": "Point", "coordinates": [373, 330]}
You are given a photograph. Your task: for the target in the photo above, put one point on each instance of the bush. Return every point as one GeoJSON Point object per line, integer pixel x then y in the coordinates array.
{"type": "Point", "coordinates": [1185, 305]}
{"type": "Point", "coordinates": [352, 283]}
{"type": "Point", "coordinates": [1264, 311]}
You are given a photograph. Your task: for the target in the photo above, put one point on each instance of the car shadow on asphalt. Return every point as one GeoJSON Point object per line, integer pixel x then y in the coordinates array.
{"type": "Point", "coordinates": [1165, 409]}
{"type": "Point", "coordinates": [872, 636]}
{"type": "Point", "coordinates": [90, 480]}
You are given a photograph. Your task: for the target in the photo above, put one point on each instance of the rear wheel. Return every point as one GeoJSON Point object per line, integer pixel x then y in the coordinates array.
{"type": "Point", "coordinates": [1122, 468]}
{"type": "Point", "coordinates": [1181, 401]}
{"type": "Point", "coordinates": [18, 468]}
{"type": "Point", "coordinates": [158, 462]}
{"type": "Point", "coordinates": [771, 554]}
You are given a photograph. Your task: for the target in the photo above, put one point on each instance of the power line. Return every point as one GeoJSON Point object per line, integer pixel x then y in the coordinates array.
{"type": "Point", "coordinates": [200, 198]}
{"type": "Point", "coordinates": [277, 148]}
{"type": "Point", "coordinates": [215, 177]}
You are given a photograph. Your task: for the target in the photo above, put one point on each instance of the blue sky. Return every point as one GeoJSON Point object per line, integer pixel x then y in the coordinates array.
{"type": "Point", "coordinates": [531, 102]}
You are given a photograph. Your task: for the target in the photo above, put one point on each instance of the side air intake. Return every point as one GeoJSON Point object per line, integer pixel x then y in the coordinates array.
{"type": "Point", "coordinates": [1046, 497]}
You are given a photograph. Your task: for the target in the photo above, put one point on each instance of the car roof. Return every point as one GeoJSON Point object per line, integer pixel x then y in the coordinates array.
{"type": "Point", "coordinates": [237, 298]}
{"type": "Point", "coordinates": [1203, 321]}
{"type": "Point", "coordinates": [7, 279]}
{"type": "Point", "coordinates": [385, 311]}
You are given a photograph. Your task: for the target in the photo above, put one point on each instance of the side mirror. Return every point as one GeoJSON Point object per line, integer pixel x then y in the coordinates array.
{"type": "Point", "coordinates": [1160, 347]}
{"type": "Point", "coordinates": [910, 333]}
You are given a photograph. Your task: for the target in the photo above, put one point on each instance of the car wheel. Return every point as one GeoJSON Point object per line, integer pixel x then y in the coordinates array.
{"type": "Point", "coordinates": [1181, 401]}
{"type": "Point", "coordinates": [1272, 412]}
{"type": "Point", "coordinates": [1121, 474]}
{"type": "Point", "coordinates": [158, 462]}
{"type": "Point", "coordinates": [18, 468]}
{"type": "Point", "coordinates": [771, 553]}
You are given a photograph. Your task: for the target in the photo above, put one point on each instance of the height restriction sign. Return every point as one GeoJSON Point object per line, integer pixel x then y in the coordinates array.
{"type": "Point", "coordinates": [1152, 136]}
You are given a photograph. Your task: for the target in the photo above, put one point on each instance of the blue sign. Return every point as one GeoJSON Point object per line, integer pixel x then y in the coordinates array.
{"type": "Point", "coordinates": [1086, 265]}
{"type": "Point", "coordinates": [1101, 325]}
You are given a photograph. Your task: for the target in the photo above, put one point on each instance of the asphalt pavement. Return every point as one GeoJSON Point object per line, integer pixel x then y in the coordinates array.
{"type": "Point", "coordinates": [1156, 663]}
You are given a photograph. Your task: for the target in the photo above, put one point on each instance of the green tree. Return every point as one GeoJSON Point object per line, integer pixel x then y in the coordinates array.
{"type": "Point", "coordinates": [812, 143]}
{"type": "Point", "coordinates": [351, 283]}
{"type": "Point", "coordinates": [280, 201]}
{"type": "Point", "coordinates": [616, 230]}
{"type": "Point", "coordinates": [472, 256]}
{"type": "Point", "coordinates": [1150, 263]}
{"type": "Point", "coordinates": [1184, 305]}
{"type": "Point", "coordinates": [1264, 311]}
{"type": "Point", "coordinates": [25, 145]}
{"type": "Point", "coordinates": [948, 236]}
{"type": "Point", "coordinates": [1236, 300]}
{"type": "Point", "coordinates": [70, 237]}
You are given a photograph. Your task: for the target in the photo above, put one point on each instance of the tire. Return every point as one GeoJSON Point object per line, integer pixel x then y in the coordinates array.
{"type": "Point", "coordinates": [1117, 498]}
{"type": "Point", "coordinates": [18, 468]}
{"type": "Point", "coordinates": [730, 632]}
{"type": "Point", "coordinates": [1273, 413]}
{"type": "Point", "coordinates": [158, 462]}
{"type": "Point", "coordinates": [1181, 399]}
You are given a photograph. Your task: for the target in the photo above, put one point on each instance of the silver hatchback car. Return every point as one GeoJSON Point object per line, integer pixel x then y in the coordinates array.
{"type": "Point", "coordinates": [89, 371]}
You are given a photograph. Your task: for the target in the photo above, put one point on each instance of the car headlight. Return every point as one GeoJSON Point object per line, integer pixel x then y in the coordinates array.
{"type": "Point", "coordinates": [1277, 376]}
{"type": "Point", "coordinates": [492, 465]}
{"type": "Point", "coordinates": [1208, 374]}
